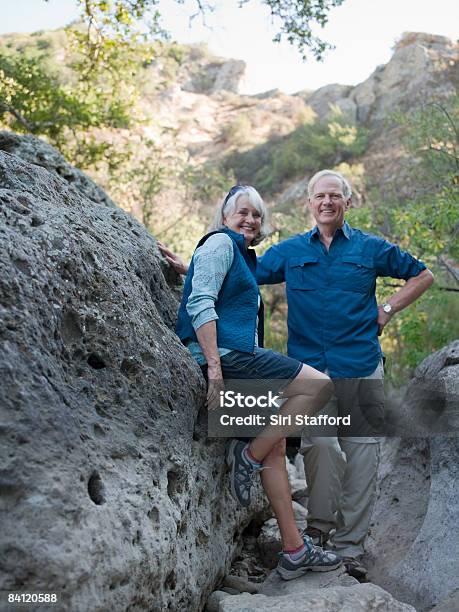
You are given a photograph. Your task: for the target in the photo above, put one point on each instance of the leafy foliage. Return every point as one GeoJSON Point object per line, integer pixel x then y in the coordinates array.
{"type": "Point", "coordinates": [296, 17]}
{"type": "Point", "coordinates": [313, 145]}
{"type": "Point", "coordinates": [108, 49]}
{"type": "Point", "coordinates": [128, 21]}
{"type": "Point", "coordinates": [35, 102]}
{"type": "Point", "coordinates": [427, 225]}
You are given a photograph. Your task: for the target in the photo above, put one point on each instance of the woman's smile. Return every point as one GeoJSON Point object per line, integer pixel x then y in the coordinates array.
{"type": "Point", "coordinates": [245, 219]}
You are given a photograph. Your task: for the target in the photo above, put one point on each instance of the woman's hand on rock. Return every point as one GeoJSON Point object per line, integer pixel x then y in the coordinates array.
{"type": "Point", "coordinates": [214, 387]}
{"type": "Point", "coordinates": [175, 261]}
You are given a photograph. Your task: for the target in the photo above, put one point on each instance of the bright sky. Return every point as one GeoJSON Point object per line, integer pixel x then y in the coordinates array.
{"type": "Point", "coordinates": [363, 31]}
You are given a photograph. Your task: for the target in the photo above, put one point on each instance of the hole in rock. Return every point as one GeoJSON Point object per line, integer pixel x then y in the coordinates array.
{"type": "Point", "coordinates": [202, 538]}
{"type": "Point", "coordinates": [101, 410]}
{"type": "Point", "coordinates": [153, 515]}
{"type": "Point", "coordinates": [170, 581]}
{"type": "Point", "coordinates": [70, 327]}
{"type": "Point", "coordinates": [36, 221]}
{"type": "Point", "coordinates": [182, 528]}
{"type": "Point", "coordinates": [96, 489]}
{"type": "Point", "coordinates": [129, 366]}
{"type": "Point", "coordinates": [99, 431]}
{"type": "Point", "coordinates": [96, 362]}
{"type": "Point", "coordinates": [173, 483]}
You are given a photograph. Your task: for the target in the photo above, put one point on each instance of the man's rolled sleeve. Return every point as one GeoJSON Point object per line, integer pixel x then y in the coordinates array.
{"type": "Point", "coordinates": [391, 260]}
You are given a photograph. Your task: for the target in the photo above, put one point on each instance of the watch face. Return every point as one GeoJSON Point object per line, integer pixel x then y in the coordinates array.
{"type": "Point", "coordinates": [387, 308]}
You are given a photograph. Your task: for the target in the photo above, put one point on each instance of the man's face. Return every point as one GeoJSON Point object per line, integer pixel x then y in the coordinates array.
{"type": "Point", "coordinates": [327, 203]}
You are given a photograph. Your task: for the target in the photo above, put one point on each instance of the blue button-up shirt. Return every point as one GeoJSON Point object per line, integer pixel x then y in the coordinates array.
{"type": "Point", "coordinates": [332, 309]}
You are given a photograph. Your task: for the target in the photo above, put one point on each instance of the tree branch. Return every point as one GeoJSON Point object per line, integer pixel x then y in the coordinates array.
{"type": "Point", "coordinates": [30, 127]}
{"type": "Point", "coordinates": [453, 271]}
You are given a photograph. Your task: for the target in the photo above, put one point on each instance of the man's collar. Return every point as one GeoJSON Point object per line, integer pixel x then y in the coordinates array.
{"type": "Point", "coordinates": [345, 229]}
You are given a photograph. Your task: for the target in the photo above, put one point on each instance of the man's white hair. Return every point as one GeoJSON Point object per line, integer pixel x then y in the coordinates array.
{"type": "Point", "coordinates": [345, 185]}
{"type": "Point", "coordinates": [228, 206]}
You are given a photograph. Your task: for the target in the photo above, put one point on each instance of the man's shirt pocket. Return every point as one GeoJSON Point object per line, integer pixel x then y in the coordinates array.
{"type": "Point", "coordinates": [304, 273]}
{"type": "Point", "coordinates": [355, 273]}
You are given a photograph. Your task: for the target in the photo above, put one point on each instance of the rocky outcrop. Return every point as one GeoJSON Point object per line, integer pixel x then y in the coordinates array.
{"type": "Point", "coordinates": [40, 153]}
{"type": "Point", "coordinates": [413, 532]}
{"type": "Point", "coordinates": [422, 69]}
{"type": "Point", "coordinates": [422, 66]}
{"type": "Point", "coordinates": [206, 74]}
{"type": "Point", "coordinates": [332, 99]}
{"type": "Point", "coordinates": [111, 494]}
{"type": "Point", "coordinates": [419, 61]}
{"type": "Point", "coordinates": [355, 598]}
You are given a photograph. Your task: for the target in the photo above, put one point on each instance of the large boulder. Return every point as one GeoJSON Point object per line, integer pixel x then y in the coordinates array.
{"type": "Point", "coordinates": [40, 153]}
{"type": "Point", "coordinates": [355, 598]}
{"type": "Point", "coordinates": [411, 548]}
{"type": "Point", "coordinates": [111, 494]}
{"type": "Point", "coordinates": [418, 61]}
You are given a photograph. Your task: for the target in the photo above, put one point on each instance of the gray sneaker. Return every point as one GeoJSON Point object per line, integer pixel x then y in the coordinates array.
{"type": "Point", "coordinates": [241, 472]}
{"type": "Point", "coordinates": [315, 560]}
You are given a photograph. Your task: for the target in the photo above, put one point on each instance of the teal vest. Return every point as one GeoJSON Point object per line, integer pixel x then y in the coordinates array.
{"type": "Point", "coordinates": [237, 302]}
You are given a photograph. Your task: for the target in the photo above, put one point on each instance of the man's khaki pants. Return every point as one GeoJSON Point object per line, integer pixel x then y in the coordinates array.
{"type": "Point", "coordinates": [341, 471]}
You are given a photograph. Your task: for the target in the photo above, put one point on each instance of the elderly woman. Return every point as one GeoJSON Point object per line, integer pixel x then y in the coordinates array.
{"type": "Point", "coordinates": [221, 323]}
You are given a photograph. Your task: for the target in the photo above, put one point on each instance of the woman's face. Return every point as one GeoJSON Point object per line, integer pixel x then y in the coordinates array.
{"type": "Point", "coordinates": [245, 219]}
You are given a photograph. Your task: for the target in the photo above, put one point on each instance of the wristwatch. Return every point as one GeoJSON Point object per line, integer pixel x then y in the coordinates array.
{"type": "Point", "coordinates": [387, 308]}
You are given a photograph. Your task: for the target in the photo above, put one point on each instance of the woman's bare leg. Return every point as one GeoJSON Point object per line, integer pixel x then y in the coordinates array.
{"type": "Point", "coordinates": [308, 393]}
{"type": "Point", "coordinates": [276, 485]}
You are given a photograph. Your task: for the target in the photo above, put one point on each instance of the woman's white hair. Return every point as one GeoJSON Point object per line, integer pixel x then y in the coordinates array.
{"type": "Point", "coordinates": [228, 206]}
{"type": "Point", "coordinates": [345, 185]}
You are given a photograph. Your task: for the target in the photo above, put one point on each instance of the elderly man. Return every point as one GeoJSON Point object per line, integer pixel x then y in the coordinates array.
{"type": "Point", "coordinates": [333, 325]}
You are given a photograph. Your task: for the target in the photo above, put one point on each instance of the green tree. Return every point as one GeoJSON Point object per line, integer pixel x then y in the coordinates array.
{"type": "Point", "coordinates": [427, 225]}
{"type": "Point", "coordinates": [35, 102]}
{"type": "Point", "coordinates": [311, 146]}
{"type": "Point", "coordinates": [109, 48]}
{"type": "Point", "coordinates": [128, 21]}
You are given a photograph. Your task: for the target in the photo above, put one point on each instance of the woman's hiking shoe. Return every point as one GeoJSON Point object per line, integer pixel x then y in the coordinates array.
{"type": "Point", "coordinates": [242, 472]}
{"type": "Point", "coordinates": [315, 560]}
{"type": "Point", "coordinates": [354, 568]}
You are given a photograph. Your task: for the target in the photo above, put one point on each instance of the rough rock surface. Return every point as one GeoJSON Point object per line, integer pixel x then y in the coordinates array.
{"type": "Point", "coordinates": [357, 598]}
{"type": "Point", "coordinates": [40, 153]}
{"type": "Point", "coordinates": [209, 77]}
{"type": "Point", "coordinates": [275, 586]}
{"type": "Point", "coordinates": [433, 394]}
{"type": "Point", "coordinates": [419, 61]}
{"type": "Point", "coordinates": [330, 99]}
{"type": "Point", "coordinates": [111, 494]}
{"type": "Point", "coordinates": [411, 548]}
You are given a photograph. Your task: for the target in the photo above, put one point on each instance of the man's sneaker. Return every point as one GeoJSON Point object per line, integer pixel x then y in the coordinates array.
{"type": "Point", "coordinates": [318, 537]}
{"type": "Point", "coordinates": [314, 560]}
{"type": "Point", "coordinates": [242, 472]}
{"type": "Point", "coordinates": [355, 568]}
